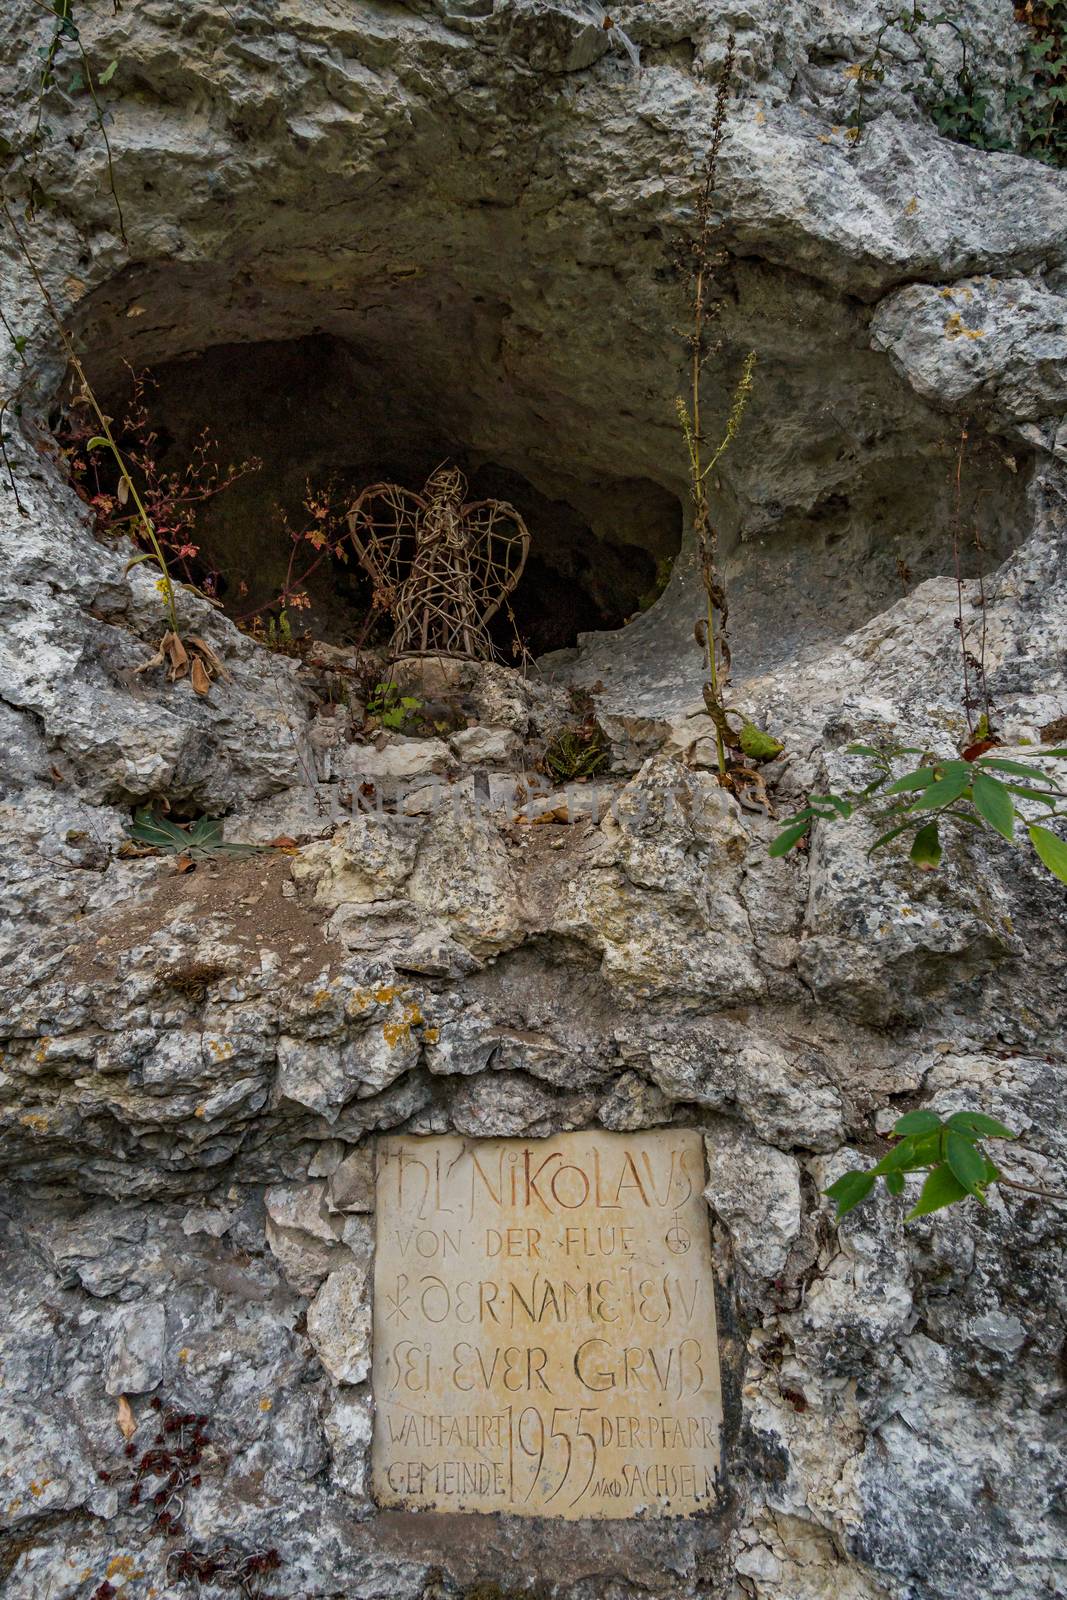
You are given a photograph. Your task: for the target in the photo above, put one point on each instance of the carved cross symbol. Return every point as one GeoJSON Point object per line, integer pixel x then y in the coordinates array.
{"type": "Point", "coordinates": [440, 565]}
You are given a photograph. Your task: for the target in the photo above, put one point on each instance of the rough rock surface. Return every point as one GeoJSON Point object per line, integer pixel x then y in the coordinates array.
{"type": "Point", "coordinates": [195, 1064]}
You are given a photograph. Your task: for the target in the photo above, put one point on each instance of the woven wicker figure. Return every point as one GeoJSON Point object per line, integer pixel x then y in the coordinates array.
{"type": "Point", "coordinates": [442, 566]}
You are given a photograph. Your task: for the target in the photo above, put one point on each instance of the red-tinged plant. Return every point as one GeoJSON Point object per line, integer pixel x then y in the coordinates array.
{"type": "Point", "coordinates": [171, 499]}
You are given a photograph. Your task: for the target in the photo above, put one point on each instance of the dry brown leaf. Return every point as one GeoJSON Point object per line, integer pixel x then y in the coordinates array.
{"type": "Point", "coordinates": [176, 654]}
{"type": "Point", "coordinates": [208, 654]}
{"type": "Point", "coordinates": [199, 677]}
{"type": "Point", "coordinates": [123, 492]}
{"type": "Point", "coordinates": [283, 842]}
{"type": "Point", "coordinates": [125, 1418]}
{"type": "Point", "coordinates": [184, 864]}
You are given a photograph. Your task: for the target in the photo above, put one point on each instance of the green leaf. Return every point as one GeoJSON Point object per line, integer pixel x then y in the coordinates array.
{"type": "Point", "coordinates": [98, 443]}
{"type": "Point", "coordinates": [849, 1190]}
{"type": "Point", "coordinates": [967, 1164]}
{"type": "Point", "coordinates": [759, 745]}
{"type": "Point", "coordinates": [930, 1148]}
{"type": "Point", "coordinates": [916, 1122]}
{"type": "Point", "coordinates": [1019, 769]}
{"type": "Point", "coordinates": [926, 848]}
{"type": "Point", "coordinates": [941, 1189]}
{"type": "Point", "coordinates": [1052, 850]}
{"type": "Point", "coordinates": [842, 807]}
{"type": "Point", "coordinates": [206, 833]}
{"type": "Point", "coordinates": [912, 780]}
{"type": "Point", "coordinates": [1045, 797]}
{"type": "Point", "coordinates": [108, 72]}
{"type": "Point", "coordinates": [993, 802]}
{"type": "Point", "coordinates": [885, 839]}
{"type": "Point", "coordinates": [902, 1158]}
{"type": "Point", "coordinates": [944, 791]}
{"type": "Point", "coordinates": [148, 828]}
{"type": "Point", "coordinates": [863, 750]}
{"type": "Point", "coordinates": [894, 1182]}
{"type": "Point", "coordinates": [788, 838]}
{"type": "Point", "coordinates": [981, 1126]}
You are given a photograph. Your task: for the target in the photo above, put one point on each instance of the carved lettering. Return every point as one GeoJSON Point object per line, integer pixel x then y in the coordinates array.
{"type": "Point", "coordinates": [544, 1326]}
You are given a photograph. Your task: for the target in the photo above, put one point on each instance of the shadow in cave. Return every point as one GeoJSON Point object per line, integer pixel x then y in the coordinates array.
{"type": "Point", "coordinates": [323, 430]}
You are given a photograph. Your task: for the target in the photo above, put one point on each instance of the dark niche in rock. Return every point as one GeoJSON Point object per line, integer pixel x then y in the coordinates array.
{"type": "Point", "coordinates": [324, 421]}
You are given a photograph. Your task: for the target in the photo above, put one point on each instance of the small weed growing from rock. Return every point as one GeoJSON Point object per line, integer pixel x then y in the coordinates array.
{"type": "Point", "coordinates": [391, 709]}
{"type": "Point", "coordinates": [226, 1567]}
{"type": "Point", "coordinates": [577, 752]}
{"type": "Point", "coordinates": [164, 1473]}
{"type": "Point", "coordinates": [701, 256]}
{"type": "Point", "coordinates": [194, 841]}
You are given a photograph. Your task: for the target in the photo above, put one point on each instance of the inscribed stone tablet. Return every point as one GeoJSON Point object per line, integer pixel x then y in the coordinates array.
{"type": "Point", "coordinates": [544, 1326]}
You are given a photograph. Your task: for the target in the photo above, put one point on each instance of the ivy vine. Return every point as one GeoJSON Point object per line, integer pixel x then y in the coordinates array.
{"type": "Point", "coordinates": [965, 105]}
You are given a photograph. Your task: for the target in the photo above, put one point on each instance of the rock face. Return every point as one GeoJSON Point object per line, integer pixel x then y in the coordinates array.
{"type": "Point", "coordinates": [470, 207]}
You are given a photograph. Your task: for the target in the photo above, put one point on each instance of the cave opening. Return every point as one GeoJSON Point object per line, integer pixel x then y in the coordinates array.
{"type": "Point", "coordinates": [294, 429]}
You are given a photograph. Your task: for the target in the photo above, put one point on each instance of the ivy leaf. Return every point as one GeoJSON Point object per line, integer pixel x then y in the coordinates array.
{"type": "Point", "coordinates": [993, 802]}
{"type": "Point", "coordinates": [849, 1190]}
{"type": "Point", "coordinates": [916, 1122]}
{"type": "Point", "coordinates": [980, 1125]}
{"type": "Point", "coordinates": [894, 1182]}
{"type": "Point", "coordinates": [941, 1189]}
{"type": "Point", "coordinates": [967, 1163]}
{"type": "Point", "coordinates": [926, 848]}
{"type": "Point", "coordinates": [1052, 850]}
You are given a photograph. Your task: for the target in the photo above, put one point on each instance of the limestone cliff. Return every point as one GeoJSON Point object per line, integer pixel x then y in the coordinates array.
{"type": "Point", "coordinates": [465, 210]}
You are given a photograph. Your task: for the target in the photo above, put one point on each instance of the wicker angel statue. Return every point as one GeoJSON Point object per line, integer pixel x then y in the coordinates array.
{"type": "Point", "coordinates": [440, 564]}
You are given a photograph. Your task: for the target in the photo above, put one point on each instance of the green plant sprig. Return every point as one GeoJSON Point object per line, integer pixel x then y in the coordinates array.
{"type": "Point", "coordinates": [576, 752]}
{"type": "Point", "coordinates": [969, 792]}
{"type": "Point", "coordinates": [392, 709]}
{"type": "Point", "coordinates": [951, 1154]}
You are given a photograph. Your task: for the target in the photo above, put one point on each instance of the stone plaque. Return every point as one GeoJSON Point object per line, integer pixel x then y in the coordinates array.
{"type": "Point", "coordinates": [544, 1326]}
